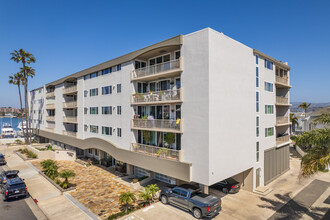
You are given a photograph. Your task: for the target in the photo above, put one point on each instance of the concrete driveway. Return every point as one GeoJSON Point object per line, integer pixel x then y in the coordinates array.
{"type": "Point", "coordinates": [291, 198]}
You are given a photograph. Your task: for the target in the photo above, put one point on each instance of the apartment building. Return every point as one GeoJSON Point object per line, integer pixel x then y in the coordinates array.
{"type": "Point", "coordinates": [198, 108]}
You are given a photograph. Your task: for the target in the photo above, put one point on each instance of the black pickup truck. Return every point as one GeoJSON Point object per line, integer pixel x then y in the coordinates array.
{"type": "Point", "coordinates": [191, 198]}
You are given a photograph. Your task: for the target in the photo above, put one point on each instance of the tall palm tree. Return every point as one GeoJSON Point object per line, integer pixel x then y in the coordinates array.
{"type": "Point", "coordinates": [304, 106]}
{"type": "Point", "coordinates": [126, 199]}
{"type": "Point", "coordinates": [17, 79]}
{"type": "Point", "coordinates": [25, 58]}
{"type": "Point", "coordinates": [293, 121]}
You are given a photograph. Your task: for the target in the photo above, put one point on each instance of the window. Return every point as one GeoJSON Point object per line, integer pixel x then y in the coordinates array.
{"type": "Point", "coordinates": [257, 99]}
{"type": "Point", "coordinates": [257, 130]}
{"type": "Point", "coordinates": [160, 59]}
{"type": "Point", "coordinates": [90, 151]}
{"type": "Point", "coordinates": [96, 152]}
{"type": "Point", "coordinates": [118, 67]}
{"type": "Point", "coordinates": [93, 75]}
{"type": "Point", "coordinates": [269, 132]}
{"type": "Point", "coordinates": [269, 86]}
{"type": "Point", "coordinates": [85, 127]}
{"type": "Point", "coordinates": [268, 64]}
{"type": "Point", "coordinates": [106, 71]}
{"type": "Point", "coordinates": [106, 130]}
{"type": "Point", "coordinates": [94, 92]}
{"type": "Point", "coordinates": [39, 90]}
{"type": "Point", "coordinates": [257, 76]}
{"type": "Point", "coordinates": [257, 150]}
{"type": "Point", "coordinates": [86, 77]}
{"type": "Point", "coordinates": [94, 110]}
{"type": "Point", "coordinates": [85, 111]}
{"type": "Point", "coordinates": [118, 110]}
{"type": "Point", "coordinates": [118, 88]}
{"type": "Point", "coordinates": [177, 55]}
{"type": "Point", "coordinates": [85, 93]}
{"type": "Point", "coordinates": [106, 90]}
{"type": "Point", "coordinates": [269, 109]}
{"type": "Point", "coordinates": [106, 110]}
{"type": "Point", "coordinates": [119, 132]}
{"type": "Point", "coordinates": [257, 59]}
{"type": "Point", "coordinates": [140, 64]}
{"type": "Point", "coordinates": [94, 129]}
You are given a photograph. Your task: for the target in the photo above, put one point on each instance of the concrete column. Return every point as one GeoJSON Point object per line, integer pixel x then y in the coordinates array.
{"type": "Point", "coordinates": [205, 189]}
{"type": "Point", "coordinates": [130, 169]}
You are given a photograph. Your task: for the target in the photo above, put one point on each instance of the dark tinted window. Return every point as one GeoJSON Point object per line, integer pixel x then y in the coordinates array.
{"type": "Point", "coordinates": [17, 186]}
{"type": "Point", "coordinates": [231, 181]}
{"type": "Point", "coordinates": [176, 191]}
{"type": "Point", "coordinates": [184, 193]}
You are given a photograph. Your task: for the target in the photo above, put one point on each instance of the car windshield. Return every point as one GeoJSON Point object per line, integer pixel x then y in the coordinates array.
{"type": "Point", "coordinates": [17, 186]}
{"type": "Point", "coordinates": [231, 181]}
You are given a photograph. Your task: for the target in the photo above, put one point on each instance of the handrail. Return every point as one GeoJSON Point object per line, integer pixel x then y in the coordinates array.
{"type": "Point", "coordinates": [282, 139]}
{"type": "Point", "coordinates": [282, 80]}
{"type": "Point", "coordinates": [70, 104]}
{"type": "Point", "coordinates": [159, 96]}
{"type": "Point", "coordinates": [282, 120]}
{"type": "Point", "coordinates": [168, 124]}
{"type": "Point", "coordinates": [70, 119]}
{"type": "Point", "coordinates": [282, 100]}
{"type": "Point", "coordinates": [155, 151]}
{"type": "Point", "coordinates": [70, 133]}
{"type": "Point", "coordinates": [70, 89]}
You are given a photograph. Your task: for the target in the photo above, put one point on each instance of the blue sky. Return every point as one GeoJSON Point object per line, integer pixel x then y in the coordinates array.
{"type": "Point", "coordinates": [67, 36]}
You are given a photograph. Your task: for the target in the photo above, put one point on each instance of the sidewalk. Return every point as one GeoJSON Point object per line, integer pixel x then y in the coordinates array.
{"type": "Point", "coordinates": [50, 201]}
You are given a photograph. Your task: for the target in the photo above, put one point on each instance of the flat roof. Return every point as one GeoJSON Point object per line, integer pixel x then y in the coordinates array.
{"type": "Point", "coordinates": [277, 62]}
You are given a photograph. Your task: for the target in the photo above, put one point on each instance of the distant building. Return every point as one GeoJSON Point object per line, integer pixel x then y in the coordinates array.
{"type": "Point", "coordinates": [8, 110]}
{"type": "Point", "coordinates": [307, 123]}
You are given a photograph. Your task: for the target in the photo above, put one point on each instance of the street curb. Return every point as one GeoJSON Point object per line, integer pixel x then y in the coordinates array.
{"type": "Point", "coordinates": [88, 212]}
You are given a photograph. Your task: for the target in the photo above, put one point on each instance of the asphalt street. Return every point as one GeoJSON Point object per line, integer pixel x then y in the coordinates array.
{"type": "Point", "coordinates": [15, 209]}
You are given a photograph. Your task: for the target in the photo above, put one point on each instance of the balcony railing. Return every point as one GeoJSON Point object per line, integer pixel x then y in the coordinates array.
{"type": "Point", "coordinates": [158, 124]}
{"type": "Point", "coordinates": [282, 80]}
{"type": "Point", "coordinates": [283, 139]}
{"type": "Point", "coordinates": [70, 119]}
{"type": "Point", "coordinates": [50, 118]}
{"type": "Point", "coordinates": [282, 120]}
{"type": "Point", "coordinates": [172, 65]}
{"type": "Point", "coordinates": [154, 151]}
{"type": "Point", "coordinates": [71, 104]}
{"type": "Point", "coordinates": [71, 89]}
{"type": "Point", "coordinates": [50, 106]}
{"type": "Point", "coordinates": [50, 129]}
{"type": "Point", "coordinates": [282, 100]}
{"type": "Point", "coordinates": [166, 96]}
{"type": "Point", "coordinates": [70, 133]}
{"type": "Point", "coordinates": [50, 94]}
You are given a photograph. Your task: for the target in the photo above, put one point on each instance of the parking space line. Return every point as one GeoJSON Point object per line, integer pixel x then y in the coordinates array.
{"type": "Point", "coordinates": [146, 209]}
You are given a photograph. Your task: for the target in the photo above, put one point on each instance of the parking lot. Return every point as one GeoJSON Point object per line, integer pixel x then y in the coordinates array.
{"type": "Point", "coordinates": [284, 201]}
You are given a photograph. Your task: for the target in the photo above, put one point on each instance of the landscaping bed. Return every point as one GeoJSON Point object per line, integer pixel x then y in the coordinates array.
{"type": "Point", "coordinates": [26, 154]}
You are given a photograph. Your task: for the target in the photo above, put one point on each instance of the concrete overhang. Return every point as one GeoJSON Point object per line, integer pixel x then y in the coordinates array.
{"type": "Point", "coordinates": [276, 62]}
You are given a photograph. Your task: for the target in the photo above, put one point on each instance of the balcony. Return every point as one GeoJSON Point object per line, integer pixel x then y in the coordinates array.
{"type": "Point", "coordinates": [70, 119]}
{"type": "Point", "coordinates": [173, 126]}
{"type": "Point", "coordinates": [50, 94]}
{"type": "Point", "coordinates": [71, 104]}
{"type": "Point", "coordinates": [50, 129]}
{"type": "Point", "coordinates": [50, 106]}
{"type": "Point", "coordinates": [70, 133]}
{"type": "Point", "coordinates": [70, 90]}
{"type": "Point", "coordinates": [166, 96]}
{"type": "Point", "coordinates": [282, 101]}
{"type": "Point", "coordinates": [282, 121]}
{"type": "Point", "coordinates": [50, 118]}
{"type": "Point", "coordinates": [168, 69]}
{"type": "Point", "coordinates": [282, 82]}
{"type": "Point", "coordinates": [161, 152]}
{"type": "Point", "coordinates": [282, 140]}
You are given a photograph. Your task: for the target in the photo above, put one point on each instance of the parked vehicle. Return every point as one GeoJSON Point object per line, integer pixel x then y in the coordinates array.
{"type": "Point", "coordinates": [13, 188]}
{"type": "Point", "coordinates": [2, 160]}
{"type": "Point", "coordinates": [9, 174]}
{"type": "Point", "coordinates": [229, 185]}
{"type": "Point", "coordinates": [191, 198]}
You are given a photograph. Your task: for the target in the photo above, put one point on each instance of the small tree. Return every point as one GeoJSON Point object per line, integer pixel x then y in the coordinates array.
{"type": "Point", "coordinates": [66, 174]}
{"type": "Point", "coordinates": [146, 136]}
{"type": "Point", "coordinates": [153, 189]}
{"type": "Point", "coordinates": [294, 122]}
{"type": "Point", "coordinates": [145, 194]}
{"type": "Point", "coordinates": [304, 106]}
{"type": "Point", "coordinates": [169, 138]}
{"type": "Point", "coordinates": [126, 199]}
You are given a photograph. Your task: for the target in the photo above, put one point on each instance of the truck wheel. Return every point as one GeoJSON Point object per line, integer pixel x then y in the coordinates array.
{"type": "Point", "coordinates": [164, 199]}
{"type": "Point", "coordinates": [197, 213]}
{"type": "Point", "coordinates": [225, 190]}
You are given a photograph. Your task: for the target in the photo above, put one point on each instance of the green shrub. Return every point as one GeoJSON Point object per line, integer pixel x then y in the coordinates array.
{"type": "Point", "coordinates": [18, 141]}
{"type": "Point", "coordinates": [63, 185]}
{"type": "Point", "coordinates": [50, 168]}
{"type": "Point", "coordinates": [142, 178]}
{"type": "Point", "coordinates": [58, 181]}
{"type": "Point", "coordinates": [31, 155]}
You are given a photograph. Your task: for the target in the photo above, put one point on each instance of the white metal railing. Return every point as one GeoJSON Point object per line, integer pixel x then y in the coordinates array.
{"type": "Point", "coordinates": [161, 124]}
{"type": "Point", "coordinates": [282, 100]}
{"type": "Point", "coordinates": [283, 139]}
{"type": "Point", "coordinates": [155, 69]}
{"type": "Point", "coordinates": [70, 89]}
{"type": "Point", "coordinates": [70, 119]}
{"type": "Point", "coordinates": [50, 106]}
{"type": "Point", "coordinates": [160, 96]}
{"type": "Point", "coordinates": [283, 80]}
{"type": "Point", "coordinates": [70, 104]}
{"type": "Point", "coordinates": [50, 94]}
{"type": "Point", "coordinates": [70, 133]}
{"type": "Point", "coordinates": [282, 120]}
{"type": "Point", "coordinates": [50, 118]}
{"type": "Point", "coordinates": [154, 151]}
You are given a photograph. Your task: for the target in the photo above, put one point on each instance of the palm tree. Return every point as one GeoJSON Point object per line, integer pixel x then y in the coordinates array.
{"type": "Point", "coordinates": [153, 189]}
{"type": "Point", "coordinates": [17, 79]}
{"type": "Point", "coordinates": [126, 199]}
{"type": "Point", "coordinates": [322, 119]}
{"type": "Point", "coordinates": [26, 58]}
{"type": "Point", "coordinates": [145, 195]}
{"type": "Point", "coordinates": [66, 174]}
{"type": "Point", "coordinates": [304, 106]}
{"type": "Point", "coordinates": [294, 121]}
